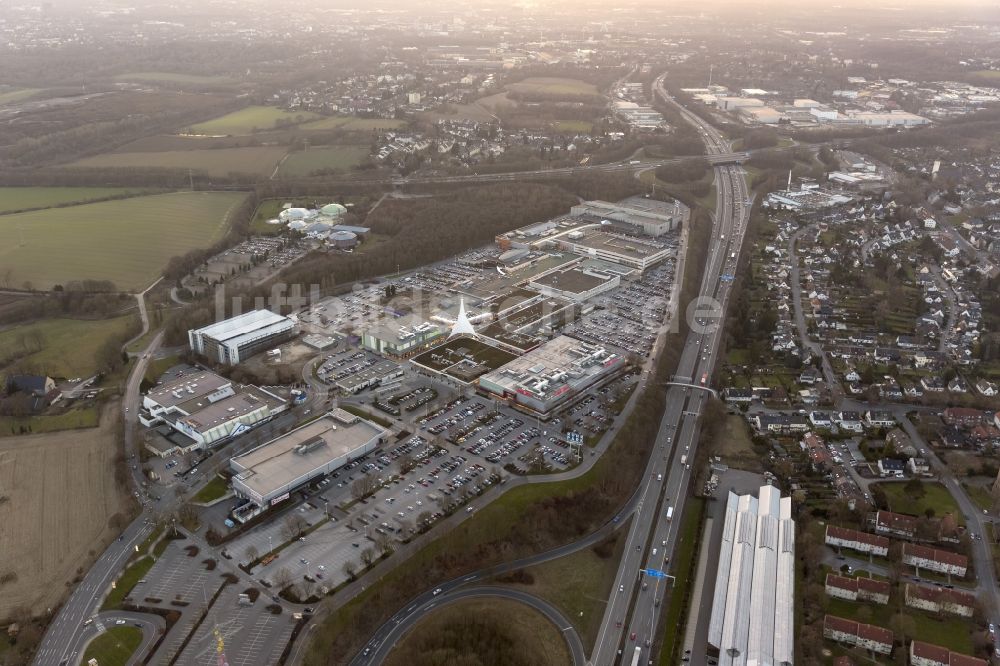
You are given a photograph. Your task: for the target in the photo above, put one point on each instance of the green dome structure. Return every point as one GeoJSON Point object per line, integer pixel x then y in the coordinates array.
{"type": "Point", "coordinates": [332, 210]}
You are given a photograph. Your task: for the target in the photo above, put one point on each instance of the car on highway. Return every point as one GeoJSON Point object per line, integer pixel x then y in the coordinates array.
{"type": "Point", "coordinates": [437, 591]}
{"type": "Point", "coordinates": [119, 621]}
{"type": "Point", "coordinates": [632, 636]}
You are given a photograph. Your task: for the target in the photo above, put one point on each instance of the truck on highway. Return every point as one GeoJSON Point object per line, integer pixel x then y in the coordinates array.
{"type": "Point", "coordinates": [704, 379]}
{"type": "Point", "coordinates": [684, 459]}
{"type": "Point", "coordinates": [637, 656]}
{"type": "Point", "coordinates": [670, 513]}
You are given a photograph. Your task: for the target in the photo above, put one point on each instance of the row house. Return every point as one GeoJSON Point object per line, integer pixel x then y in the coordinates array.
{"type": "Point", "coordinates": [893, 524]}
{"type": "Point", "coordinates": [858, 634]}
{"type": "Point", "coordinates": [862, 542]}
{"type": "Point", "coordinates": [939, 600]}
{"type": "Point", "coordinates": [932, 559]}
{"type": "Point", "coordinates": [857, 589]}
{"type": "Point", "coordinates": [926, 654]}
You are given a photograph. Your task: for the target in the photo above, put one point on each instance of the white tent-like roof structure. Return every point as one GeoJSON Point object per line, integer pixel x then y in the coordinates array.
{"type": "Point", "coordinates": [462, 324]}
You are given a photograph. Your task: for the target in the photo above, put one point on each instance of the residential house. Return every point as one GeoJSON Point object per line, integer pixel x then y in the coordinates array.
{"type": "Point", "coordinates": [965, 417]}
{"type": "Point", "coordinates": [918, 466]}
{"type": "Point", "coordinates": [858, 634]}
{"type": "Point", "coordinates": [932, 384]}
{"type": "Point", "coordinates": [820, 419]}
{"type": "Point", "coordinates": [986, 388]}
{"type": "Point", "coordinates": [893, 524]}
{"type": "Point", "coordinates": [781, 424]}
{"type": "Point", "coordinates": [850, 421]}
{"type": "Point", "coordinates": [933, 559]}
{"type": "Point", "coordinates": [958, 385]}
{"type": "Point", "coordinates": [738, 395]}
{"type": "Point", "coordinates": [939, 600]}
{"type": "Point", "coordinates": [891, 467]}
{"type": "Point", "coordinates": [953, 438]}
{"type": "Point", "coordinates": [900, 442]}
{"type": "Point", "coordinates": [879, 419]}
{"type": "Point", "coordinates": [32, 393]}
{"type": "Point", "coordinates": [862, 542]}
{"type": "Point", "coordinates": [857, 589]}
{"type": "Point", "coordinates": [926, 654]}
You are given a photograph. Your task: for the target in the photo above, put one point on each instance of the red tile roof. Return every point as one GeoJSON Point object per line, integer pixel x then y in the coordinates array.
{"type": "Point", "coordinates": [847, 534]}
{"type": "Point", "coordinates": [943, 556]}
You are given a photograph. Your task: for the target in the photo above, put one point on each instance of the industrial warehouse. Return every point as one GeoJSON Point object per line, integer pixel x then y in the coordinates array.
{"type": "Point", "coordinates": [267, 474]}
{"type": "Point", "coordinates": [753, 605]}
{"type": "Point", "coordinates": [204, 409]}
{"type": "Point", "coordinates": [238, 338]}
{"type": "Point", "coordinates": [549, 375]}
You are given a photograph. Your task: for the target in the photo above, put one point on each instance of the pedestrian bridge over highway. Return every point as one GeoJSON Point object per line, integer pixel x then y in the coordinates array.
{"type": "Point", "coordinates": [695, 386]}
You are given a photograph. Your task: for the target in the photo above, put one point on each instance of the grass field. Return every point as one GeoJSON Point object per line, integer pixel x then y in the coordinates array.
{"type": "Point", "coordinates": [251, 119]}
{"type": "Point", "coordinates": [504, 633]}
{"type": "Point", "coordinates": [128, 580]}
{"type": "Point", "coordinates": [67, 346]}
{"type": "Point", "coordinates": [936, 497]}
{"type": "Point", "coordinates": [259, 160]}
{"type": "Point", "coordinates": [23, 198]}
{"type": "Point", "coordinates": [62, 493]}
{"type": "Point", "coordinates": [18, 94]}
{"type": "Point", "coordinates": [172, 77]}
{"type": "Point", "coordinates": [114, 647]}
{"type": "Point", "coordinates": [579, 585]}
{"type": "Point", "coordinates": [950, 632]}
{"type": "Point", "coordinates": [549, 85]}
{"type": "Point", "coordinates": [733, 444]}
{"type": "Point", "coordinates": [127, 241]}
{"type": "Point", "coordinates": [574, 126]}
{"type": "Point", "coordinates": [342, 158]}
{"type": "Point", "coordinates": [212, 490]}
{"type": "Point", "coordinates": [86, 417]}
{"type": "Point", "coordinates": [354, 124]}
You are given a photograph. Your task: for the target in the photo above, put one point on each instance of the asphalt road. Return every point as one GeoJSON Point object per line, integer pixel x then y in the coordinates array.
{"type": "Point", "coordinates": [432, 600]}
{"type": "Point", "coordinates": [151, 626]}
{"type": "Point", "coordinates": [633, 611]}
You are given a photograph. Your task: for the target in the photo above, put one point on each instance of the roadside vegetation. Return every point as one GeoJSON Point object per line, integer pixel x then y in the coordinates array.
{"type": "Point", "coordinates": [485, 632]}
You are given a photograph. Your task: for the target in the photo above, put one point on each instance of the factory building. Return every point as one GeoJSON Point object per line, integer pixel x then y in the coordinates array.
{"type": "Point", "coordinates": [269, 473]}
{"type": "Point", "coordinates": [752, 618]}
{"type": "Point", "coordinates": [206, 409]}
{"type": "Point", "coordinates": [548, 376]}
{"type": "Point", "coordinates": [238, 338]}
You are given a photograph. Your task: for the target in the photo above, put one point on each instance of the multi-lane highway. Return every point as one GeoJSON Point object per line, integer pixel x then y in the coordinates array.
{"type": "Point", "coordinates": [634, 608]}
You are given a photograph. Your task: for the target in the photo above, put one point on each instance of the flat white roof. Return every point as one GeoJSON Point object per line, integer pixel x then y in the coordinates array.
{"type": "Point", "coordinates": [280, 462]}
{"type": "Point", "coordinates": [251, 324]}
{"type": "Point", "coordinates": [752, 620]}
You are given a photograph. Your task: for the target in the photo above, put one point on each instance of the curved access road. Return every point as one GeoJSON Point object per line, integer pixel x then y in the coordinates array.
{"type": "Point", "coordinates": [401, 623]}
{"type": "Point", "coordinates": [151, 625]}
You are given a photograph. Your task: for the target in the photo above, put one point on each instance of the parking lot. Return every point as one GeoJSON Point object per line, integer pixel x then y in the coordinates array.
{"type": "Point", "coordinates": [631, 317]}
{"type": "Point", "coordinates": [253, 636]}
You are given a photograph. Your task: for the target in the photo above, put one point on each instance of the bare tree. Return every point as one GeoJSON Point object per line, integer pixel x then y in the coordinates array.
{"type": "Point", "coordinates": [384, 543]}
{"type": "Point", "coordinates": [368, 556]}
{"type": "Point", "coordinates": [282, 578]}
{"type": "Point", "coordinates": [349, 569]}
{"type": "Point", "coordinates": [407, 463]}
{"type": "Point", "coordinates": [293, 527]}
{"type": "Point", "coordinates": [364, 486]}
{"type": "Point", "coordinates": [251, 553]}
